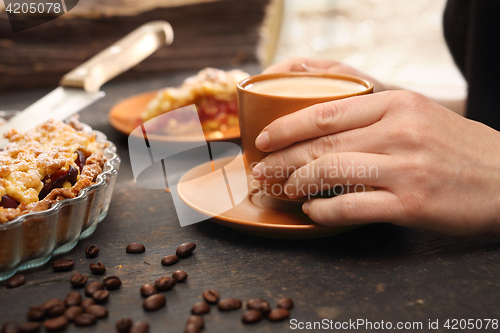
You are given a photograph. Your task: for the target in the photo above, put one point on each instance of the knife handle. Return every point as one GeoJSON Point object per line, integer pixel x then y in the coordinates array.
{"type": "Point", "coordinates": [119, 57]}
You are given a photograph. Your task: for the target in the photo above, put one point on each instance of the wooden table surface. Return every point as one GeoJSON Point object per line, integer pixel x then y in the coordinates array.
{"type": "Point", "coordinates": [378, 272]}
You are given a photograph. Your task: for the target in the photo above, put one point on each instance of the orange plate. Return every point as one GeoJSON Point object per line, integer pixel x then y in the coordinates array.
{"type": "Point", "coordinates": [123, 116]}
{"type": "Point", "coordinates": [257, 214]}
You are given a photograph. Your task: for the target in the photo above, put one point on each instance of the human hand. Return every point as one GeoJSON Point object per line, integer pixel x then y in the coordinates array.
{"type": "Point", "coordinates": [435, 170]}
{"type": "Point", "coordinates": [322, 66]}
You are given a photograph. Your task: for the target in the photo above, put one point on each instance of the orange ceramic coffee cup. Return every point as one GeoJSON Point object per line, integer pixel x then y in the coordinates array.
{"type": "Point", "coordinates": [257, 110]}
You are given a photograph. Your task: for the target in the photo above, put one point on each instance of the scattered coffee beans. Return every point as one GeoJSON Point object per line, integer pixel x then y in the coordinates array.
{"type": "Point", "coordinates": [148, 290]}
{"type": "Point", "coordinates": [78, 280]}
{"type": "Point", "coordinates": [285, 303]}
{"type": "Point", "coordinates": [229, 304]}
{"type": "Point", "coordinates": [85, 319]}
{"type": "Point", "coordinates": [72, 312]}
{"type": "Point", "coordinates": [135, 248]}
{"type": "Point", "coordinates": [73, 298]}
{"type": "Point", "coordinates": [200, 308]}
{"type": "Point", "coordinates": [31, 327]}
{"type": "Point", "coordinates": [15, 281]}
{"type": "Point", "coordinates": [139, 327]}
{"type": "Point", "coordinates": [98, 311]}
{"type": "Point", "coordinates": [101, 296]}
{"type": "Point", "coordinates": [259, 304]}
{"type": "Point", "coordinates": [278, 314]}
{"type": "Point", "coordinates": [63, 265]}
{"type": "Point", "coordinates": [154, 302]}
{"type": "Point", "coordinates": [197, 320]}
{"type": "Point", "coordinates": [169, 260]}
{"type": "Point", "coordinates": [180, 276]}
{"type": "Point", "coordinates": [112, 282]}
{"type": "Point", "coordinates": [92, 287]}
{"type": "Point", "coordinates": [211, 296]}
{"type": "Point", "coordinates": [10, 327]}
{"type": "Point", "coordinates": [91, 251]}
{"type": "Point", "coordinates": [56, 310]}
{"type": "Point", "coordinates": [251, 316]}
{"type": "Point", "coordinates": [36, 312]}
{"type": "Point", "coordinates": [87, 302]}
{"type": "Point", "coordinates": [123, 325]}
{"type": "Point", "coordinates": [56, 324]}
{"type": "Point", "coordinates": [97, 269]}
{"type": "Point", "coordinates": [165, 283]}
{"type": "Point", "coordinates": [185, 250]}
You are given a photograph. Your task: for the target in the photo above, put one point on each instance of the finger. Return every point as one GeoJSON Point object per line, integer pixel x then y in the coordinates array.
{"type": "Point", "coordinates": [333, 170]}
{"type": "Point", "coordinates": [286, 66]}
{"type": "Point", "coordinates": [279, 165]}
{"type": "Point", "coordinates": [355, 208]}
{"type": "Point", "coordinates": [323, 119]}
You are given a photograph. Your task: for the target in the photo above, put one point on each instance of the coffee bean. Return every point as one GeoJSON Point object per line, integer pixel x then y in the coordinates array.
{"type": "Point", "coordinates": [51, 302]}
{"type": "Point", "coordinates": [91, 251]}
{"type": "Point", "coordinates": [123, 325]}
{"type": "Point", "coordinates": [97, 269]}
{"type": "Point", "coordinates": [169, 260]}
{"type": "Point", "coordinates": [197, 320]}
{"type": "Point", "coordinates": [192, 328]}
{"type": "Point", "coordinates": [56, 310]}
{"type": "Point", "coordinates": [112, 282]}
{"type": "Point", "coordinates": [87, 302]}
{"type": "Point", "coordinates": [85, 319]}
{"type": "Point", "coordinates": [154, 302]}
{"type": "Point", "coordinates": [36, 312]}
{"type": "Point", "coordinates": [135, 248]}
{"type": "Point", "coordinates": [259, 304]}
{"type": "Point", "coordinates": [229, 304]}
{"type": "Point", "coordinates": [72, 312]}
{"type": "Point", "coordinates": [139, 327]}
{"type": "Point", "coordinates": [97, 310]}
{"type": "Point", "coordinates": [56, 324]}
{"type": "Point", "coordinates": [73, 298]}
{"type": "Point", "coordinates": [15, 281]}
{"type": "Point", "coordinates": [78, 280]}
{"type": "Point", "coordinates": [101, 296]}
{"type": "Point", "coordinates": [211, 296]}
{"type": "Point", "coordinates": [184, 250]}
{"type": "Point", "coordinates": [278, 314]}
{"type": "Point", "coordinates": [200, 308]}
{"type": "Point", "coordinates": [92, 287]}
{"type": "Point", "coordinates": [31, 327]}
{"type": "Point", "coordinates": [148, 290]}
{"type": "Point", "coordinates": [251, 316]}
{"type": "Point", "coordinates": [165, 283]}
{"type": "Point", "coordinates": [285, 303]}
{"type": "Point", "coordinates": [63, 265]}
{"type": "Point", "coordinates": [10, 327]}
{"type": "Point", "coordinates": [180, 276]}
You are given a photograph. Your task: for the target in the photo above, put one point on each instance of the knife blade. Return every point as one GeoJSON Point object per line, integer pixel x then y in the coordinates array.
{"type": "Point", "coordinates": [81, 87]}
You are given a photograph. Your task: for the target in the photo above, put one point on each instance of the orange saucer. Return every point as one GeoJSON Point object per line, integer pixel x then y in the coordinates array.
{"type": "Point", "coordinates": [123, 117]}
{"type": "Point", "coordinates": [258, 214]}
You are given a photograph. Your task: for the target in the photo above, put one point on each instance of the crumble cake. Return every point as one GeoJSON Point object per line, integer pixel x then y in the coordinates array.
{"type": "Point", "coordinates": [48, 164]}
{"type": "Point", "coordinates": [212, 91]}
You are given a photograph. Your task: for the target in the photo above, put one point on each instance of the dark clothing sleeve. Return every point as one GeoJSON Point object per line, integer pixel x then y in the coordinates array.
{"type": "Point", "coordinates": [472, 32]}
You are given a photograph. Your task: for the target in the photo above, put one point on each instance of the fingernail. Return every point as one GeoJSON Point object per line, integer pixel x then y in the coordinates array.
{"type": "Point", "coordinates": [305, 208]}
{"type": "Point", "coordinates": [258, 171]}
{"type": "Point", "coordinates": [306, 68]}
{"type": "Point", "coordinates": [262, 141]}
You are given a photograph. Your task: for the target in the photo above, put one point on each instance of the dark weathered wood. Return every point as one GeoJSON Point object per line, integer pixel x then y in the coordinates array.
{"type": "Point", "coordinates": [378, 272]}
{"type": "Point", "coordinates": [220, 33]}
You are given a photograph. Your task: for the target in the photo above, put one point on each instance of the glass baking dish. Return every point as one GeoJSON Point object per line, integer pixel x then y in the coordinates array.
{"type": "Point", "coordinates": [30, 240]}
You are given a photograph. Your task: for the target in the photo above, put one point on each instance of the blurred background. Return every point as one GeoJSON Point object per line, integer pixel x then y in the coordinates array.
{"type": "Point", "coordinates": [399, 42]}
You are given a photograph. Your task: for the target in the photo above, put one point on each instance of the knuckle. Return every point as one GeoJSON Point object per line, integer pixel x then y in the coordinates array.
{"type": "Point", "coordinates": [323, 145]}
{"type": "Point", "coordinates": [347, 209]}
{"type": "Point", "coordinates": [325, 116]}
